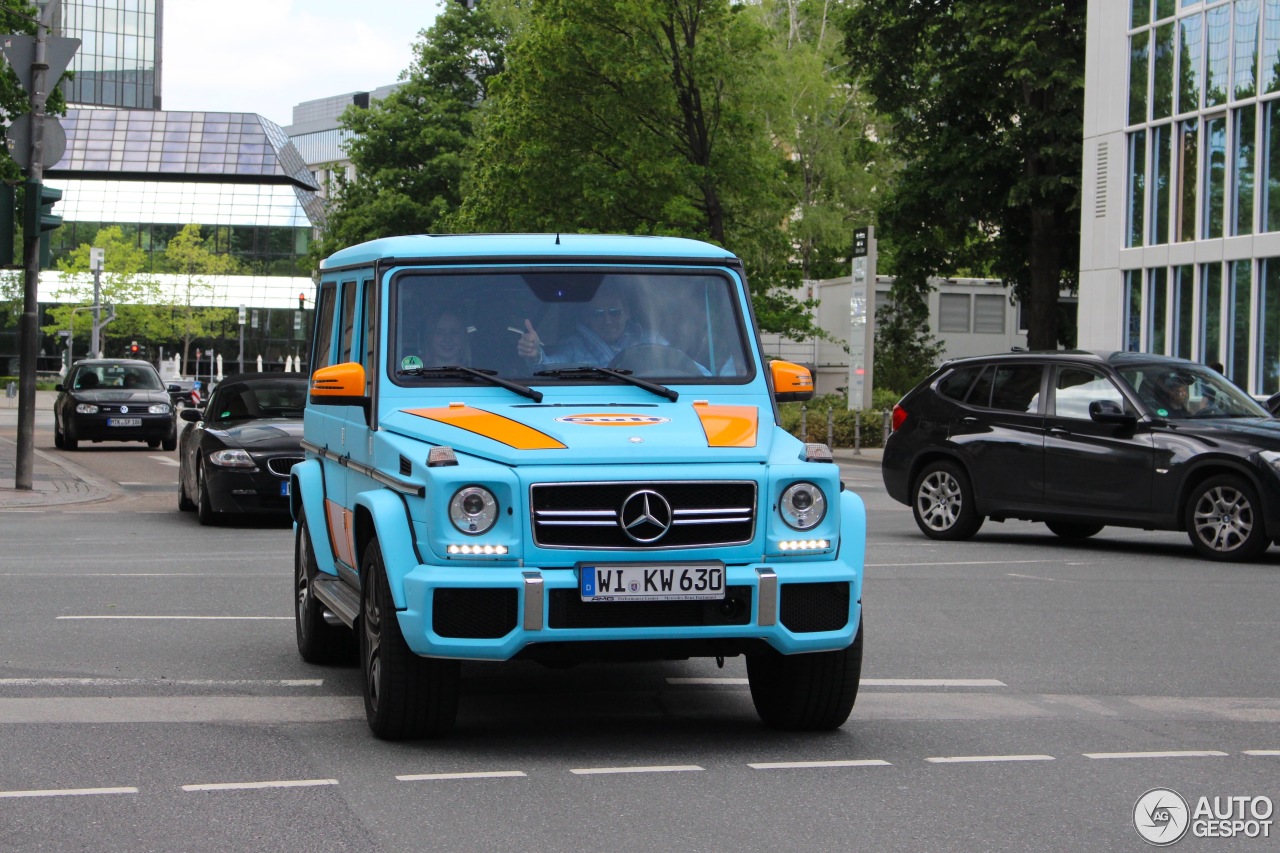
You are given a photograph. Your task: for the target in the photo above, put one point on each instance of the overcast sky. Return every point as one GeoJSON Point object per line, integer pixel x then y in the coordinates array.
{"type": "Point", "coordinates": [265, 56]}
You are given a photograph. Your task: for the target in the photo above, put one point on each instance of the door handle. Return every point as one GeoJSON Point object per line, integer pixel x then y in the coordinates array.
{"type": "Point", "coordinates": [1059, 431]}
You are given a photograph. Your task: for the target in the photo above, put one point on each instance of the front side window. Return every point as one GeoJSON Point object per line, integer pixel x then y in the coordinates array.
{"type": "Point", "coordinates": [1077, 387]}
{"type": "Point", "coordinates": [541, 327]}
{"type": "Point", "coordinates": [1181, 391]}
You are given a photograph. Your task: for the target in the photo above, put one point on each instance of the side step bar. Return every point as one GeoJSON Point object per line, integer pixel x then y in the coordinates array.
{"type": "Point", "coordinates": [339, 597]}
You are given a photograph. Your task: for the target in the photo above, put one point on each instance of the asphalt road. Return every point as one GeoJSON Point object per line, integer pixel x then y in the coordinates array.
{"type": "Point", "coordinates": [1019, 693]}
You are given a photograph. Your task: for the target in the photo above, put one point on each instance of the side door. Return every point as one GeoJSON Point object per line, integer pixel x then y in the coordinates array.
{"type": "Point", "coordinates": [1000, 432]}
{"type": "Point", "coordinates": [1091, 467]}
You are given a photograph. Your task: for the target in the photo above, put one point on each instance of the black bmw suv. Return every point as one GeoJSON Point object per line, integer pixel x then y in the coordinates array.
{"type": "Point", "coordinates": [1082, 440]}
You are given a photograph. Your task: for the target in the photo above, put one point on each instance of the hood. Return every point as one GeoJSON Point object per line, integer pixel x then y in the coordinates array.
{"type": "Point", "coordinates": [521, 434]}
{"type": "Point", "coordinates": [1264, 433]}
{"type": "Point", "coordinates": [116, 396]}
{"type": "Point", "coordinates": [262, 435]}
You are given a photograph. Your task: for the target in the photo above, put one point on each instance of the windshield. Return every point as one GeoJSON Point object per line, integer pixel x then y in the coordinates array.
{"type": "Point", "coordinates": [130, 377]}
{"type": "Point", "coordinates": [674, 327]}
{"type": "Point", "coordinates": [1179, 391]}
{"type": "Point", "coordinates": [264, 398]}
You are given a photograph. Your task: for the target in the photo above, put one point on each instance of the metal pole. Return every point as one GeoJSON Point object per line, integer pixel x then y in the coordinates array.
{"type": "Point", "coordinates": [29, 328]}
{"type": "Point", "coordinates": [94, 343]}
{"type": "Point", "coordinates": [830, 428]}
{"type": "Point", "coordinates": [804, 422]}
{"type": "Point", "coordinates": [857, 432]}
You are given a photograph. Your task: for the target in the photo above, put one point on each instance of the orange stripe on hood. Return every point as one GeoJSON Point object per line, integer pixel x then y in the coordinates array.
{"type": "Point", "coordinates": [509, 432]}
{"type": "Point", "coordinates": [728, 426]}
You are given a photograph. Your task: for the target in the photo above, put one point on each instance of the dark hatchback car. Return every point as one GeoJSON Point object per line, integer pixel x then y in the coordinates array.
{"type": "Point", "coordinates": [1083, 440]}
{"type": "Point", "coordinates": [113, 399]}
{"type": "Point", "coordinates": [235, 453]}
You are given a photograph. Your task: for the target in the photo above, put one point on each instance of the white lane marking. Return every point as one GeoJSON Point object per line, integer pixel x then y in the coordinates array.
{"type": "Point", "coordinates": [252, 786]}
{"type": "Point", "coordinates": [978, 759]}
{"type": "Point", "coordinates": [803, 765]}
{"type": "Point", "coordinates": [600, 771]}
{"type": "Point", "coordinates": [184, 682]}
{"type": "Point", "coordinates": [1189, 753]}
{"type": "Point", "coordinates": [68, 792]}
{"type": "Point", "coordinates": [193, 575]}
{"type": "Point", "coordinates": [187, 618]}
{"type": "Point", "coordinates": [920, 564]}
{"type": "Point", "coordinates": [167, 460]}
{"type": "Point", "coordinates": [1262, 752]}
{"type": "Point", "coordinates": [866, 682]}
{"type": "Point", "coordinates": [487, 774]}
{"type": "Point", "coordinates": [1036, 578]}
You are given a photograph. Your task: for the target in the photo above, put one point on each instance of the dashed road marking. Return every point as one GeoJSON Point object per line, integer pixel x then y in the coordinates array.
{"type": "Point", "coordinates": [253, 786]}
{"type": "Point", "coordinates": [182, 618]}
{"type": "Point", "coordinates": [866, 682]}
{"type": "Point", "coordinates": [167, 460]}
{"type": "Point", "coordinates": [982, 759]}
{"type": "Point", "coordinates": [602, 771]}
{"type": "Point", "coordinates": [1189, 753]}
{"type": "Point", "coordinates": [805, 765]}
{"type": "Point", "coordinates": [485, 774]}
{"type": "Point", "coordinates": [153, 682]}
{"type": "Point", "coordinates": [67, 792]}
{"type": "Point", "coordinates": [1263, 752]}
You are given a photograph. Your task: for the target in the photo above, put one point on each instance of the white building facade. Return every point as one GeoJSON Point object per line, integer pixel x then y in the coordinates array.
{"type": "Point", "coordinates": [1180, 219]}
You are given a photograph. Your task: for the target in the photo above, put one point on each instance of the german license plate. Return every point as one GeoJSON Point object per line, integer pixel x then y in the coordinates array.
{"type": "Point", "coordinates": [680, 582]}
{"type": "Point", "coordinates": [124, 422]}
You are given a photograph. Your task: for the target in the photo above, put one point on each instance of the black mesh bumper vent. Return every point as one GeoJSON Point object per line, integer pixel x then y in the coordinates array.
{"type": "Point", "coordinates": [811, 607]}
{"type": "Point", "coordinates": [568, 610]}
{"type": "Point", "coordinates": [474, 614]}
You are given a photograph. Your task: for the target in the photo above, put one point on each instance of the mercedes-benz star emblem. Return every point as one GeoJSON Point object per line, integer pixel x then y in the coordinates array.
{"type": "Point", "coordinates": [645, 516]}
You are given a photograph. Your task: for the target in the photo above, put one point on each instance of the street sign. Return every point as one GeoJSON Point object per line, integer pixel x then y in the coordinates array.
{"type": "Point", "coordinates": [242, 315]}
{"type": "Point", "coordinates": [18, 139]}
{"type": "Point", "coordinates": [97, 257]}
{"type": "Point", "coordinates": [20, 50]}
{"type": "Point", "coordinates": [860, 243]}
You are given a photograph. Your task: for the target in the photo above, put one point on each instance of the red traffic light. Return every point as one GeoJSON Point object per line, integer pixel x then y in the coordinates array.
{"type": "Point", "coordinates": [302, 301]}
{"type": "Point", "coordinates": [133, 348]}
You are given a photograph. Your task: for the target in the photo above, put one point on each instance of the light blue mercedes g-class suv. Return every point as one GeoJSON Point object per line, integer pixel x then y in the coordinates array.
{"type": "Point", "coordinates": [563, 448]}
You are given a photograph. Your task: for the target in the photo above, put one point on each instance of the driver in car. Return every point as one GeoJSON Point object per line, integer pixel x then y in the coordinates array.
{"type": "Point", "coordinates": [605, 330]}
{"type": "Point", "coordinates": [1173, 391]}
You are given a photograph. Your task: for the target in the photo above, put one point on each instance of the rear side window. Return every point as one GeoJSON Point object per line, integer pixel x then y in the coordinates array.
{"type": "Point", "coordinates": [956, 385]}
{"type": "Point", "coordinates": [1017, 388]}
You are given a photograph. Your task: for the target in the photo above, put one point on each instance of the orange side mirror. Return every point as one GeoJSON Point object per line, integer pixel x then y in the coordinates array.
{"type": "Point", "coordinates": [336, 381]}
{"type": "Point", "coordinates": [791, 382]}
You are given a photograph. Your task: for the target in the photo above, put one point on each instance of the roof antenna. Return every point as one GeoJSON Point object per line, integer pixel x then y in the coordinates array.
{"type": "Point", "coordinates": [557, 238]}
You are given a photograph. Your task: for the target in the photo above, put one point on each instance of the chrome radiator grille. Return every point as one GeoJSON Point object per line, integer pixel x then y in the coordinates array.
{"type": "Point", "coordinates": [643, 515]}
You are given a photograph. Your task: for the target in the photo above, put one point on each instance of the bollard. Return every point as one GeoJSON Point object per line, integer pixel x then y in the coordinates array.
{"type": "Point", "coordinates": [11, 390]}
{"type": "Point", "coordinates": [888, 427]}
{"type": "Point", "coordinates": [857, 432]}
{"type": "Point", "coordinates": [804, 423]}
{"type": "Point", "coordinates": [831, 421]}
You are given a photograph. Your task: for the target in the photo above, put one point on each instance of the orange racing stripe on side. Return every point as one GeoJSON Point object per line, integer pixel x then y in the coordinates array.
{"type": "Point", "coordinates": [340, 532]}
{"type": "Point", "coordinates": [509, 432]}
{"type": "Point", "coordinates": [728, 426]}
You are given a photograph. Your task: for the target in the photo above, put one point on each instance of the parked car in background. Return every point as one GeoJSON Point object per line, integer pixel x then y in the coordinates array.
{"type": "Point", "coordinates": [1084, 440]}
{"type": "Point", "coordinates": [235, 453]}
{"type": "Point", "coordinates": [183, 392]}
{"type": "Point", "coordinates": [113, 399]}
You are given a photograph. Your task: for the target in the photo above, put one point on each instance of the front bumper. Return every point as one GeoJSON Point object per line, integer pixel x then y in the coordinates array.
{"type": "Point", "coordinates": [235, 490]}
{"type": "Point", "coordinates": [96, 427]}
{"type": "Point", "coordinates": [498, 613]}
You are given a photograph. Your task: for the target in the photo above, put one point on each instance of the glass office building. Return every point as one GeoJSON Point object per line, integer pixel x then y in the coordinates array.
{"type": "Point", "coordinates": [1180, 236]}
{"type": "Point", "coordinates": [118, 63]}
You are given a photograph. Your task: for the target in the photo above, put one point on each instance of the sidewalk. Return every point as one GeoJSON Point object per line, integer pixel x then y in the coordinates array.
{"type": "Point", "coordinates": [53, 482]}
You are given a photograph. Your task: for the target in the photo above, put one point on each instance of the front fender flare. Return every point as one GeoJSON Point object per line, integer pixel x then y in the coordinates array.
{"type": "Point", "coordinates": [306, 495]}
{"type": "Point", "coordinates": [382, 513]}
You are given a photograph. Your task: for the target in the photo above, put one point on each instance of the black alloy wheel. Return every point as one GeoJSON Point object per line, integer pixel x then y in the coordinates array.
{"type": "Point", "coordinates": [405, 696]}
{"type": "Point", "coordinates": [318, 641]}
{"type": "Point", "coordinates": [204, 506]}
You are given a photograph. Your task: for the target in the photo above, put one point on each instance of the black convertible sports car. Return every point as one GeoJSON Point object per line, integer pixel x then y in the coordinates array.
{"type": "Point", "coordinates": [236, 452]}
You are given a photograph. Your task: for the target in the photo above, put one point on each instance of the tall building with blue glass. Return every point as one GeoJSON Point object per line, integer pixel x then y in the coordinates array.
{"type": "Point", "coordinates": [1180, 225]}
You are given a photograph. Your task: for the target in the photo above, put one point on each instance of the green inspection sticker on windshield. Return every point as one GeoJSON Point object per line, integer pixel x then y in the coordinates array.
{"type": "Point", "coordinates": [1164, 413]}
{"type": "Point", "coordinates": [409, 362]}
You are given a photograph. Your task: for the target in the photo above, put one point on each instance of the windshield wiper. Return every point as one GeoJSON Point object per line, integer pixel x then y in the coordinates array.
{"type": "Point", "coordinates": [490, 376]}
{"type": "Point", "coordinates": [624, 375]}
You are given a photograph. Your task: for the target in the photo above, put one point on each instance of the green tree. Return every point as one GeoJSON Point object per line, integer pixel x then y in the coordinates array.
{"type": "Point", "coordinates": [124, 284]}
{"type": "Point", "coordinates": [905, 350]}
{"type": "Point", "coordinates": [986, 103]}
{"type": "Point", "coordinates": [408, 149]}
{"type": "Point", "coordinates": [186, 302]}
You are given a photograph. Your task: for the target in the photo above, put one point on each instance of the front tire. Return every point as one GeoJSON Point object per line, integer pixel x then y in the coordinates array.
{"type": "Point", "coordinates": [807, 692]}
{"type": "Point", "coordinates": [318, 641]}
{"type": "Point", "coordinates": [204, 506]}
{"type": "Point", "coordinates": [405, 696]}
{"type": "Point", "coordinates": [1224, 520]}
{"type": "Point", "coordinates": [942, 502]}
{"type": "Point", "coordinates": [1074, 529]}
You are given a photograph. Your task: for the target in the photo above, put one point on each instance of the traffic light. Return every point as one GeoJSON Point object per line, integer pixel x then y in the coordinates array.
{"type": "Point", "coordinates": [302, 302]}
{"type": "Point", "coordinates": [133, 350]}
{"type": "Point", "coordinates": [38, 215]}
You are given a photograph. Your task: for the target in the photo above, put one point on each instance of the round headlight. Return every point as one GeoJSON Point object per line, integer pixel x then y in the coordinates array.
{"type": "Point", "coordinates": [803, 506]}
{"type": "Point", "coordinates": [473, 509]}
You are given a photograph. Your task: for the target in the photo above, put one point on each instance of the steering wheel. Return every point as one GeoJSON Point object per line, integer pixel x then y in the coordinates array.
{"type": "Point", "coordinates": [1213, 410]}
{"type": "Point", "coordinates": [655, 360]}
